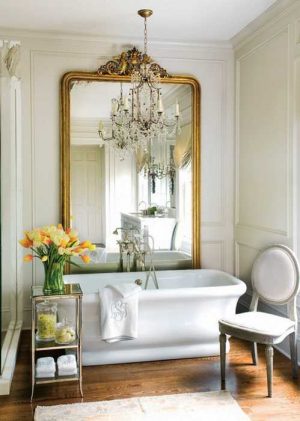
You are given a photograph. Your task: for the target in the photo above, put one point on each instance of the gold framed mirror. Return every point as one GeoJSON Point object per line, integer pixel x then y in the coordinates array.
{"type": "Point", "coordinates": [81, 137]}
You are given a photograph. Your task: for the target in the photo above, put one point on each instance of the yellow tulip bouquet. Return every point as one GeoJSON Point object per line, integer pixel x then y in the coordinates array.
{"type": "Point", "coordinates": [55, 246]}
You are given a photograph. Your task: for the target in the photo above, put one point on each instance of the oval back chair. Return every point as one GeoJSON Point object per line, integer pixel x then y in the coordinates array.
{"type": "Point", "coordinates": [275, 280]}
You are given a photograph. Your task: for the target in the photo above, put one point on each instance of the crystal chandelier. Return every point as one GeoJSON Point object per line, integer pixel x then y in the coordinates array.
{"type": "Point", "coordinates": [157, 170]}
{"type": "Point", "coordinates": [120, 139]}
{"type": "Point", "coordinates": [139, 118]}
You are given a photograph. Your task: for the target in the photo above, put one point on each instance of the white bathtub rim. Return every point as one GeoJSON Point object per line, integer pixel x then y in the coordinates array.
{"type": "Point", "coordinates": [160, 275]}
{"type": "Point", "coordinates": [236, 286]}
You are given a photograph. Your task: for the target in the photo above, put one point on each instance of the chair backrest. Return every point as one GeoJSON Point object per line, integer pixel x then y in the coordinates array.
{"type": "Point", "coordinates": [275, 275]}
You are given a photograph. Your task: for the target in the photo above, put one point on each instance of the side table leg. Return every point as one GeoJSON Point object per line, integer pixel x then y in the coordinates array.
{"type": "Point", "coordinates": [80, 385]}
{"type": "Point", "coordinates": [32, 349]}
{"type": "Point", "coordinates": [79, 348]}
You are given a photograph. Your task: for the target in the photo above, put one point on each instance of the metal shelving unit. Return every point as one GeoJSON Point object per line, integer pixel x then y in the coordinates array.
{"type": "Point", "coordinates": [72, 291]}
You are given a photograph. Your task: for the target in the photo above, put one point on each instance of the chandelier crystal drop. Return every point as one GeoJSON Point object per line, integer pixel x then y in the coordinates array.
{"type": "Point", "coordinates": [139, 118]}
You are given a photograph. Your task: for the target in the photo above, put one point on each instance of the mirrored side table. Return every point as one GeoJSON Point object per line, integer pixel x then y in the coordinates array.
{"type": "Point", "coordinates": [72, 292]}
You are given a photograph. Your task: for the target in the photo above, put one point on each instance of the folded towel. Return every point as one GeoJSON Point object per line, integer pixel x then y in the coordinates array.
{"type": "Point", "coordinates": [43, 374]}
{"type": "Point", "coordinates": [67, 372]}
{"type": "Point", "coordinates": [45, 362]}
{"type": "Point", "coordinates": [45, 370]}
{"type": "Point", "coordinates": [66, 362]}
{"type": "Point", "coordinates": [126, 290]}
{"type": "Point", "coordinates": [118, 315]}
{"type": "Point", "coordinates": [45, 367]}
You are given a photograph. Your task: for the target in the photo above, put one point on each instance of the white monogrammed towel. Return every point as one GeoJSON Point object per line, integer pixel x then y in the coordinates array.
{"type": "Point", "coordinates": [118, 315]}
{"type": "Point", "coordinates": [126, 290]}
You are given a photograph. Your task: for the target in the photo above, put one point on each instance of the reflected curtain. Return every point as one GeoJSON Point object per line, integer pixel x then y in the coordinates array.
{"type": "Point", "coordinates": [182, 153]}
{"type": "Point", "coordinates": [141, 158]}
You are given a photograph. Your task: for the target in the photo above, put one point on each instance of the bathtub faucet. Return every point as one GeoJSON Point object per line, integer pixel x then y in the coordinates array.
{"type": "Point", "coordinates": [129, 245]}
{"type": "Point", "coordinates": [136, 246]}
{"type": "Point", "coordinates": [151, 271]}
{"type": "Point", "coordinates": [142, 202]}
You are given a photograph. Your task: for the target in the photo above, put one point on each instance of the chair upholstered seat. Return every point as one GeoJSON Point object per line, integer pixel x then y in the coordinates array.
{"type": "Point", "coordinates": [275, 279]}
{"type": "Point", "coordinates": [258, 326]}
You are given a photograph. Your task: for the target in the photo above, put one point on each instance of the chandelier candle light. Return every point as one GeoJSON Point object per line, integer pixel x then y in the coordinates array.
{"type": "Point", "coordinates": [139, 117]}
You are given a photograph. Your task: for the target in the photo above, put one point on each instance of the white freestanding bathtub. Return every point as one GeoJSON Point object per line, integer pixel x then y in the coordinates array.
{"type": "Point", "coordinates": [179, 320]}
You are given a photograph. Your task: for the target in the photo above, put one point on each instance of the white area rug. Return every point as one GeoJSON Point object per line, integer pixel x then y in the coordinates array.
{"type": "Point", "coordinates": [208, 406]}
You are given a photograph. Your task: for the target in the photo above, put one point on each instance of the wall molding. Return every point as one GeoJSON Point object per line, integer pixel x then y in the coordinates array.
{"type": "Point", "coordinates": [261, 228]}
{"type": "Point", "coordinates": [101, 53]}
{"type": "Point", "coordinates": [221, 245]}
{"type": "Point", "coordinates": [239, 225]}
{"type": "Point", "coordinates": [263, 43]}
{"type": "Point", "coordinates": [237, 245]}
{"type": "Point", "coordinates": [32, 155]}
{"type": "Point", "coordinates": [297, 32]}
{"type": "Point", "coordinates": [280, 10]}
{"type": "Point", "coordinates": [220, 146]}
{"type": "Point", "coordinates": [65, 36]}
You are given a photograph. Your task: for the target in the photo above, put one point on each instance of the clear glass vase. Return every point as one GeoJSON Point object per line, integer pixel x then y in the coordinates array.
{"type": "Point", "coordinates": [54, 281]}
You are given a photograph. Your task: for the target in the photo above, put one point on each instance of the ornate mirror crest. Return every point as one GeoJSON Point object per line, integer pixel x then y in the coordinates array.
{"type": "Point", "coordinates": [129, 61]}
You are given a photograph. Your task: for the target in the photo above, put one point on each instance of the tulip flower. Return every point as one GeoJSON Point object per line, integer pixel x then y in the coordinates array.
{"type": "Point", "coordinates": [52, 244]}
{"type": "Point", "coordinates": [26, 243]}
{"type": "Point", "coordinates": [85, 258]}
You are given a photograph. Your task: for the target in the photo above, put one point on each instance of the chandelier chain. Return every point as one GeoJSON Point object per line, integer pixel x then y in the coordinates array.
{"type": "Point", "coordinates": [145, 36]}
{"type": "Point", "coordinates": [138, 120]}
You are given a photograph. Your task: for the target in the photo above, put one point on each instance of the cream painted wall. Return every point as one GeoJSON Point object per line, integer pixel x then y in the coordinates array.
{"type": "Point", "coordinates": [267, 139]}
{"type": "Point", "coordinates": [43, 62]}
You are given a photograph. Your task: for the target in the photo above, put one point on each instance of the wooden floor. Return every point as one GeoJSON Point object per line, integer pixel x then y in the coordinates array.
{"type": "Point", "coordinates": [246, 382]}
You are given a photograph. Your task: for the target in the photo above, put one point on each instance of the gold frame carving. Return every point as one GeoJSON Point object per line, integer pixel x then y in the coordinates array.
{"type": "Point", "coordinates": [105, 75]}
{"type": "Point", "coordinates": [130, 60]}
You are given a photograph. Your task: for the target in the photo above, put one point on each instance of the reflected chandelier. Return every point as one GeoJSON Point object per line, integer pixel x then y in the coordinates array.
{"type": "Point", "coordinates": [139, 117]}
{"type": "Point", "coordinates": [155, 170]}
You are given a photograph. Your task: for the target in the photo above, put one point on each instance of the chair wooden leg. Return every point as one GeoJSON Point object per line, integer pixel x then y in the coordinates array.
{"type": "Point", "coordinates": [222, 339]}
{"type": "Point", "coordinates": [269, 360]}
{"type": "Point", "coordinates": [293, 350]}
{"type": "Point", "coordinates": [254, 353]}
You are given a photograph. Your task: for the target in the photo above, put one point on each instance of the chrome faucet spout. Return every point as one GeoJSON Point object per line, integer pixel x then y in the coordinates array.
{"type": "Point", "coordinates": [129, 246]}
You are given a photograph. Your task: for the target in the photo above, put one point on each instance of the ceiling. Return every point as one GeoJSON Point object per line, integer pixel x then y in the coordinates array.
{"type": "Point", "coordinates": [173, 20]}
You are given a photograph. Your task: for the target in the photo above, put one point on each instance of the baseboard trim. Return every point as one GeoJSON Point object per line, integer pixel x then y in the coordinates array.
{"type": "Point", "coordinates": [11, 343]}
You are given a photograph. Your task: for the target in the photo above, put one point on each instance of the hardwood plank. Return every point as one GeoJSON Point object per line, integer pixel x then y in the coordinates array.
{"type": "Point", "coordinates": [246, 382]}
